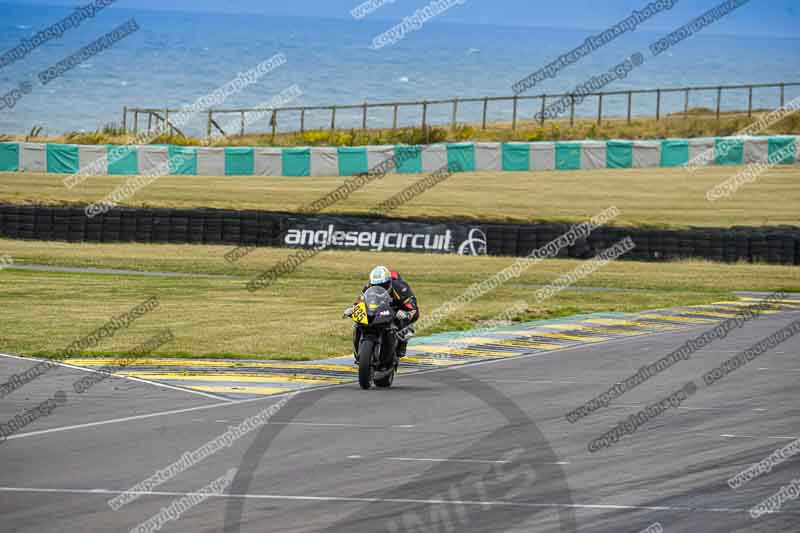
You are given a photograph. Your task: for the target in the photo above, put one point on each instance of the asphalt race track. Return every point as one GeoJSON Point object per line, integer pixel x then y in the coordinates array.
{"type": "Point", "coordinates": [482, 447]}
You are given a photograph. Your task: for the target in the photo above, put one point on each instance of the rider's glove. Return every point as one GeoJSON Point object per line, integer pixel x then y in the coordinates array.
{"type": "Point", "coordinates": [347, 312]}
{"type": "Point", "coordinates": [402, 315]}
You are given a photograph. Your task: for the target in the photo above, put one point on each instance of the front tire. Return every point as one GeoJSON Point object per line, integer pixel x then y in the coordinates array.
{"type": "Point", "coordinates": [365, 369]}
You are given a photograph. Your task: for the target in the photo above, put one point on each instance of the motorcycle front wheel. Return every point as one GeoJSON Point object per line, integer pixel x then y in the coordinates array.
{"type": "Point", "coordinates": [365, 370]}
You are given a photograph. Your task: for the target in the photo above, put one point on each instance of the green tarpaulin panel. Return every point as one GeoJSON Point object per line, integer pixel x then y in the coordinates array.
{"type": "Point", "coordinates": [783, 150]}
{"type": "Point", "coordinates": [122, 162]}
{"type": "Point", "coordinates": [461, 157]}
{"type": "Point", "coordinates": [9, 157]}
{"type": "Point", "coordinates": [516, 157]}
{"type": "Point", "coordinates": [568, 156]}
{"type": "Point", "coordinates": [296, 161]}
{"type": "Point", "coordinates": [239, 161]}
{"type": "Point", "coordinates": [674, 152]}
{"type": "Point", "coordinates": [619, 154]}
{"type": "Point", "coordinates": [409, 159]}
{"type": "Point", "coordinates": [729, 151]}
{"type": "Point", "coordinates": [352, 160]}
{"type": "Point", "coordinates": [62, 158]}
{"type": "Point", "coordinates": [182, 161]}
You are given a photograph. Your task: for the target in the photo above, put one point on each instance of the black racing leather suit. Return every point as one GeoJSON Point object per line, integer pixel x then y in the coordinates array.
{"type": "Point", "coordinates": [402, 298]}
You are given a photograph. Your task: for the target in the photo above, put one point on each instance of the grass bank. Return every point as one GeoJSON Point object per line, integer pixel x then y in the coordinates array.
{"type": "Point", "coordinates": [667, 198]}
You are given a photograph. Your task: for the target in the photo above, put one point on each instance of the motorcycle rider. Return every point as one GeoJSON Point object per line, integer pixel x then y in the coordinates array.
{"type": "Point", "coordinates": [403, 301]}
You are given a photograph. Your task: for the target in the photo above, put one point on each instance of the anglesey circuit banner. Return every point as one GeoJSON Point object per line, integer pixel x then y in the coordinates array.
{"type": "Point", "coordinates": [378, 235]}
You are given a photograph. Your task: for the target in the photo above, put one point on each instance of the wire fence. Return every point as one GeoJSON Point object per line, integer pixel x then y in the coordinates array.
{"type": "Point", "coordinates": [610, 105]}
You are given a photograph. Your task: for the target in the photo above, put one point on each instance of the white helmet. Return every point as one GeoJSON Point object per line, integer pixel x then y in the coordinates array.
{"type": "Point", "coordinates": [381, 276]}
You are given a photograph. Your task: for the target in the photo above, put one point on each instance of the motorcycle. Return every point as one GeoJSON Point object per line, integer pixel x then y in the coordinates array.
{"type": "Point", "coordinates": [378, 331]}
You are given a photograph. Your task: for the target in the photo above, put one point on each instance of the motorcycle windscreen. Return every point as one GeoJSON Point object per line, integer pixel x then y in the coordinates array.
{"type": "Point", "coordinates": [378, 305]}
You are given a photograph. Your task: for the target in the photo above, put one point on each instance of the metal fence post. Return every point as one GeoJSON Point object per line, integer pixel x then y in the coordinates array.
{"type": "Point", "coordinates": [333, 118]}
{"type": "Point", "coordinates": [750, 102]}
{"type": "Point", "coordinates": [600, 110]}
{"type": "Point", "coordinates": [783, 91]}
{"type": "Point", "coordinates": [125, 119]}
{"type": "Point", "coordinates": [394, 119]}
{"type": "Point", "coordinates": [364, 117]}
{"type": "Point", "coordinates": [208, 126]}
{"type": "Point", "coordinates": [630, 105]}
{"type": "Point", "coordinates": [658, 105]}
{"type": "Point", "coordinates": [136, 122]}
{"type": "Point", "coordinates": [514, 118]}
{"type": "Point", "coordinates": [541, 117]}
{"type": "Point", "coordinates": [274, 122]}
{"type": "Point", "coordinates": [424, 114]}
{"type": "Point", "coordinates": [149, 122]}
{"type": "Point", "coordinates": [454, 121]}
{"type": "Point", "coordinates": [303, 120]}
{"type": "Point", "coordinates": [485, 108]}
{"type": "Point", "coordinates": [167, 125]}
{"type": "Point", "coordinates": [241, 132]}
{"type": "Point", "coordinates": [719, 107]}
{"type": "Point", "coordinates": [571, 110]}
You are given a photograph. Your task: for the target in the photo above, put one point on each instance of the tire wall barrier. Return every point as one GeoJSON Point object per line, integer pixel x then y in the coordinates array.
{"type": "Point", "coordinates": [776, 245]}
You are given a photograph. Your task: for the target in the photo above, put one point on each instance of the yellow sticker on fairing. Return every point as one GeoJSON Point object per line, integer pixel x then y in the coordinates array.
{"type": "Point", "coordinates": [360, 314]}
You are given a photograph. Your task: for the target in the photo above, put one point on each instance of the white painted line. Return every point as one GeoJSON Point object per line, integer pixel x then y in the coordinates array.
{"type": "Point", "coordinates": [542, 381]}
{"type": "Point", "coordinates": [221, 421]}
{"type": "Point", "coordinates": [432, 460]}
{"type": "Point", "coordinates": [340, 425]}
{"type": "Point", "coordinates": [729, 436]}
{"type": "Point", "coordinates": [129, 418]}
{"type": "Point", "coordinates": [353, 499]}
{"type": "Point", "coordinates": [129, 378]}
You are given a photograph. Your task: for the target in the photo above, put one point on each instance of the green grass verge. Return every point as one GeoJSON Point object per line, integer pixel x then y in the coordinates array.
{"type": "Point", "coordinates": [298, 317]}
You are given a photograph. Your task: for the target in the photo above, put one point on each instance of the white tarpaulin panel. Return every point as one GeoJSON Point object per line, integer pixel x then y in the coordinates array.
{"type": "Point", "coordinates": [488, 157]}
{"type": "Point", "coordinates": [211, 161]}
{"type": "Point", "coordinates": [646, 154]}
{"type": "Point", "coordinates": [268, 161]}
{"type": "Point", "coordinates": [324, 161]}
{"type": "Point", "coordinates": [153, 159]}
{"type": "Point", "coordinates": [87, 155]}
{"type": "Point", "coordinates": [434, 157]}
{"type": "Point", "coordinates": [543, 156]}
{"type": "Point", "coordinates": [378, 154]}
{"type": "Point", "coordinates": [32, 157]}
{"type": "Point", "coordinates": [593, 155]}
{"type": "Point", "coordinates": [705, 146]}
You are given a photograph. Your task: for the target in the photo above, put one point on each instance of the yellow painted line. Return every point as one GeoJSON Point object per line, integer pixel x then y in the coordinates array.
{"type": "Point", "coordinates": [531, 344]}
{"type": "Point", "coordinates": [625, 323]}
{"type": "Point", "coordinates": [206, 363]}
{"type": "Point", "coordinates": [242, 390]}
{"type": "Point", "coordinates": [753, 304]}
{"type": "Point", "coordinates": [672, 318]}
{"type": "Point", "coordinates": [730, 313]}
{"type": "Point", "coordinates": [790, 302]}
{"type": "Point", "coordinates": [460, 341]}
{"type": "Point", "coordinates": [593, 329]}
{"type": "Point", "coordinates": [445, 349]}
{"type": "Point", "coordinates": [245, 378]}
{"type": "Point", "coordinates": [710, 313]}
{"type": "Point", "coordinates": [431, 360]}
{"type": "Point", "coordinates": [564, 336]}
